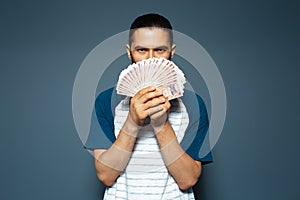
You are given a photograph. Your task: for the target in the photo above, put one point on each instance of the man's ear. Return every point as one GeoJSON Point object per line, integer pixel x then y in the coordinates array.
{"type": "Point", "coordinates": [173, 50]}
{"type": "Point", "coordinates": [128, 51]}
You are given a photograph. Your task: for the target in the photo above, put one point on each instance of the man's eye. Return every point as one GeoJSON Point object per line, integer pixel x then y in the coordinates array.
{"type": "Point", "coordinates": [160, 50]}
{"type": "Point", "coordinates": [141, 50]}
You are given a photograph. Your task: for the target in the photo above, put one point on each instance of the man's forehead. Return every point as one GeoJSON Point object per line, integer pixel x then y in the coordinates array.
{"type": "Point", "coordinates": [151, 37]}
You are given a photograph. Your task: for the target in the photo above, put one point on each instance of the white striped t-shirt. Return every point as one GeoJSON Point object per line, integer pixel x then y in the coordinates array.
{"type": "Point", "coordinates": [146, 177]}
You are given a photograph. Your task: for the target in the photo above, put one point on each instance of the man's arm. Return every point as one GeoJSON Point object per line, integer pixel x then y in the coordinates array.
{"type": "Point", "coordinates": [107, 173]}
{"type": "Point", "coordinates": [110, 163]}
{"type": "Point", "coordinates": [181, 166]}
{"type": "Point", "coordinates": [185, 170]}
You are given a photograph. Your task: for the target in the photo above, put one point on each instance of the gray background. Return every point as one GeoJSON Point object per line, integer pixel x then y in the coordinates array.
{"type": "Point", "coordinates": [254, 43]}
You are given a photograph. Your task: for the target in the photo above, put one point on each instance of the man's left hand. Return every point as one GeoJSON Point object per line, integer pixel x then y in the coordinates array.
{"type": "Point", "coordinates": [159, 115]}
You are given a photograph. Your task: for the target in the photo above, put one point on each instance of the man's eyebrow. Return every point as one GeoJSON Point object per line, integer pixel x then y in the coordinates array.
{"type": "Point", "coordinates": [159, 47]}
{"type": "Point", "coordinates": [140, 47]}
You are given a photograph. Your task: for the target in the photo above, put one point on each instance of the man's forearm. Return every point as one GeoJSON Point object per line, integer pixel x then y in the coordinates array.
{"type": "Point", "coordinates": [111, 163]}
{"type": "Point", "coordinates": [181, 166]}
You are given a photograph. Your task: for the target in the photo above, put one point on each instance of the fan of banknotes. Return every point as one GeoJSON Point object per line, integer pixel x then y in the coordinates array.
{"type": "Point", "coordinates": [152, 72]}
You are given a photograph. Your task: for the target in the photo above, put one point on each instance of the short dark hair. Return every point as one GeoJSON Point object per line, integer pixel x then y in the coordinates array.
{"type": "Point", "coordinates": [151, 20]}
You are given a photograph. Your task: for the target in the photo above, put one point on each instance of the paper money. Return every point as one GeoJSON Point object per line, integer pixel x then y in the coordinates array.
{"type": "Point", "coordinates": [152, 72]}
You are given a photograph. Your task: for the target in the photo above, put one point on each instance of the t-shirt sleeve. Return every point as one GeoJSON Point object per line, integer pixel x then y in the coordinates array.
{"type": "Point", "coordinates": [101, 134]}
{"type": "Point", "coordinates": [196, 140]}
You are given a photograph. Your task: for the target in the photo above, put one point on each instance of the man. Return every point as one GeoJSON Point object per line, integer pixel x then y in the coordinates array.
{"type": "Point", "coordinates": [144, 157]}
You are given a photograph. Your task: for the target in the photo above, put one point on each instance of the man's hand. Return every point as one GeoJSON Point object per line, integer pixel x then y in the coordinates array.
{"type": "Point", "coordinates": [159, 115]}
{"type": "Point", "coordinates": [148, 102]}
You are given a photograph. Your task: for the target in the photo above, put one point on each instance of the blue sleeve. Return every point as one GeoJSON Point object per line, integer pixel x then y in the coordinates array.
{"type": "Point", "coordinates": [196, 140]}
{"type": "Point", "coordinates": [101, 135]}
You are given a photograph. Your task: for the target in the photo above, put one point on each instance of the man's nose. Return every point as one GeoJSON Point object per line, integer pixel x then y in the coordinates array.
{"type": "Point", "coordinates": [151, 53]}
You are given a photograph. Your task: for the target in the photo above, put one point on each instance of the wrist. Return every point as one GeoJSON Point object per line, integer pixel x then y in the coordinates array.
{"type": "Point", "coordinates": [159, 127]}
{"type": "Point", "coordinates": [130, 127]}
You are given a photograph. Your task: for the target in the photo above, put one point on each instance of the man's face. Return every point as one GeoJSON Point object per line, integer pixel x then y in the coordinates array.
{"type": "Point", "coordinates": [148, 43]}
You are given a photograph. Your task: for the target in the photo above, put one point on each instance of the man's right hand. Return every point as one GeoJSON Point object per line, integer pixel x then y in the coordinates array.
{"type": "Point", "coordinates": [143, 104]}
